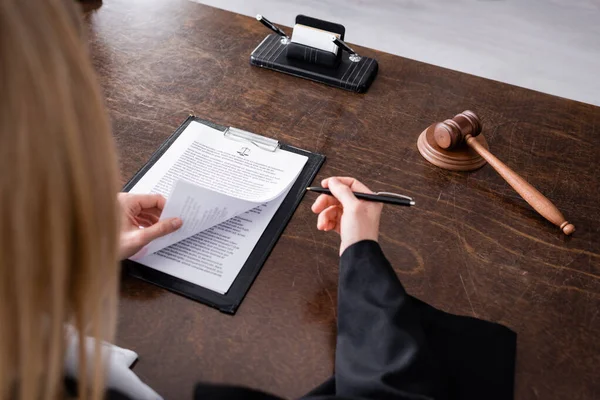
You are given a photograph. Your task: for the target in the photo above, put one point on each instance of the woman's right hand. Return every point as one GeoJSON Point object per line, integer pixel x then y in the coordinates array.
{"type": "Point", "coordinates": [353, 219]}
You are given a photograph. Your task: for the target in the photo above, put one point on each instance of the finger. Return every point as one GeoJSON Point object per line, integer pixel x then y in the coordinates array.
{"type": "Point", "coordinates": [154, 211]}
{"type": "Point", "coordinates": [353, 183]}
{"type": "Point", "coordinates": [145, 201]}
{"type": "Point", "coordinates": [327, 220]}
{"type": "Point", "coordinates": [332, 215]}
{"type": "Point", "coordinates": [322, 221]}
{"type": "Point", "coordinates": [342, 192]}
{"type": "Point", "coordinates": [153, 218]}
{"type": "Point", "coordinates": [160, 229]}
{"type": "Point", "coordinates": [322, 202]}
{"type": "Point", "coordinates": [143, 222]}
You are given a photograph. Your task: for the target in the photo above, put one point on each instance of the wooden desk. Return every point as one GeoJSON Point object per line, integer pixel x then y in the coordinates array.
{"type": "Point", "coordinates": [471, 247]}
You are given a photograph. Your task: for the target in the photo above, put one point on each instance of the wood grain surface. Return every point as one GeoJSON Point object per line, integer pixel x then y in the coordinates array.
{"type": "Point", "coordinates": [547, 45]}
{"type": "Point", "coordinates": [472, 246]}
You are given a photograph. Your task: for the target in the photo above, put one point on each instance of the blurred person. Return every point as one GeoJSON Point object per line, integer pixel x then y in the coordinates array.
{"type": "Point", "coordinates": [64, 229]}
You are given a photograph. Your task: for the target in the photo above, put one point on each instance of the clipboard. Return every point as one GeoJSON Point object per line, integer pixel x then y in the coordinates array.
{"type": "Point", "coordinates": [229, 302]}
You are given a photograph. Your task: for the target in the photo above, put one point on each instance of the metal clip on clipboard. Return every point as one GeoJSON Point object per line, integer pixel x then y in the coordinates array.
{"type": "Point", "coordinates": [259, 141]}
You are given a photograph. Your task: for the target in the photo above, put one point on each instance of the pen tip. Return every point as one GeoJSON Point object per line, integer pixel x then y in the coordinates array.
{"type": "Point", "coordinates": [412, 203]}
{"type": "Point", "coordinates": [308, 188]}
{"type": "Point", "coordinates": [258, 17]}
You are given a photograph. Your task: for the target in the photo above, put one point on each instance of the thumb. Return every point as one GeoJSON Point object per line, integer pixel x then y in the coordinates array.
{"type": "Point", "coordinates": [159, 229]}
{"type": "Point", "coordinates": [342, 192]}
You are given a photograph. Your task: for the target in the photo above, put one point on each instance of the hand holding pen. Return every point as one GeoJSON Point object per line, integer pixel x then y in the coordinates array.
{"type": "Point", "coordinates": [380, 197]}
{"type": "Point", "coordinates": [344, 213]}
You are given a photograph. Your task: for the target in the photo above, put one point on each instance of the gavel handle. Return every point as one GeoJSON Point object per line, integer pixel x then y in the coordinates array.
{"type": "Point", "coordinates": [530, 194]}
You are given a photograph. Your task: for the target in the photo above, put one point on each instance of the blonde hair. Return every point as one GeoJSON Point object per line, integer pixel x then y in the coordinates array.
{"type": "Point", "coordinates": [58, 210]}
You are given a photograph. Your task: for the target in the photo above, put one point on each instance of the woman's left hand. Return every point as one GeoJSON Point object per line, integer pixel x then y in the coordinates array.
{"type": "Point", "coordinates": [140, 214]}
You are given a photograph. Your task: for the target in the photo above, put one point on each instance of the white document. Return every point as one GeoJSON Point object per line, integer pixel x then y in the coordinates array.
{"type": "Point", "coordinates": [226, 193]}
{"type": "Point", "coordinates": [200, 209]}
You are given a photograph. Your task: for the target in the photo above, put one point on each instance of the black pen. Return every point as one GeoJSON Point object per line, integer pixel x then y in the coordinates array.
{"type": "Point", "coordinates": [270, 25]}
{"type": "Point", "coordinates": [381, 197]}
{"type": "Point", "coordinates": [342, 45]}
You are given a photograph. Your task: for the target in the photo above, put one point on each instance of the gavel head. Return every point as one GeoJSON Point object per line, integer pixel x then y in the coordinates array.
{"type": "Point", "coordinates": [450, 133]}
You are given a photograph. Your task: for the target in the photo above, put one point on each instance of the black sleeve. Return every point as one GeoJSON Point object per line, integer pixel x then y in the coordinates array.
{"type": "Point", "coordinates": [381, 351]}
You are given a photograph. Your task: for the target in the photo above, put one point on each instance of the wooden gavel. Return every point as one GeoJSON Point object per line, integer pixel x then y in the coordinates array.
{"type": "Point", "coordinates": [453, 144]}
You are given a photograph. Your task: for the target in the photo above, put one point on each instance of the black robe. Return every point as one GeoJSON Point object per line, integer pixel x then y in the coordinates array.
{"type": "Point", "coordinates": [393, 346]}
